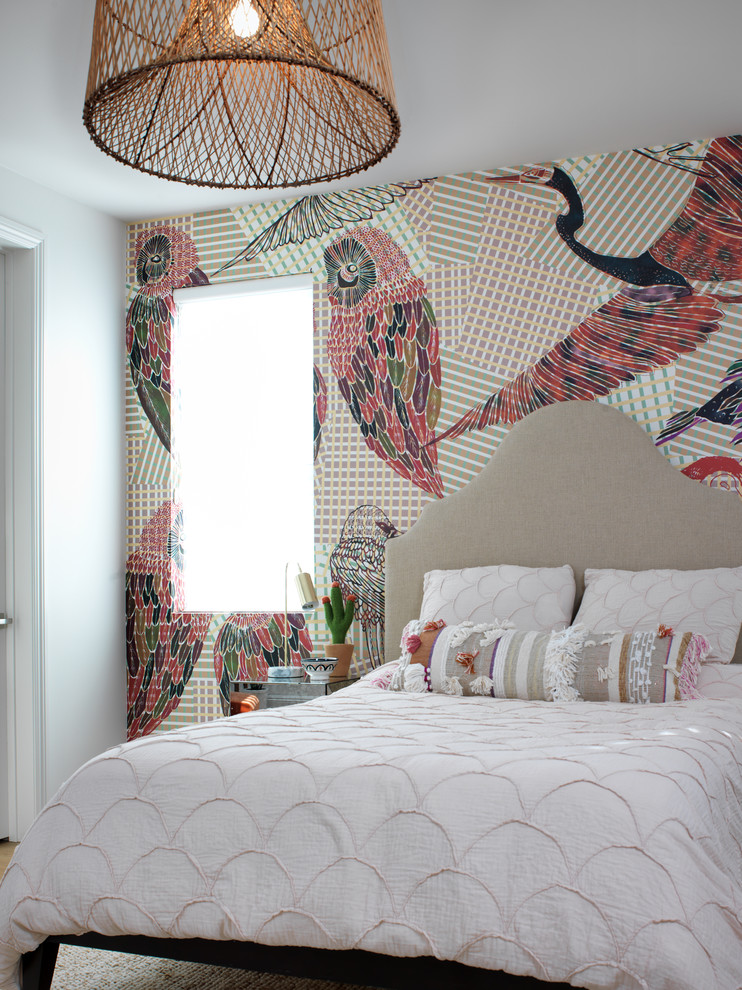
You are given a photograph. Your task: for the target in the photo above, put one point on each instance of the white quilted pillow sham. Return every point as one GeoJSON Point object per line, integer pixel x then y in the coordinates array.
{"type": "Point", "coordinates": [538, 598]}
{"type": "Point", "coordinates": [707, 601]}
{"type": "Point", "coordinates": [720, 680]}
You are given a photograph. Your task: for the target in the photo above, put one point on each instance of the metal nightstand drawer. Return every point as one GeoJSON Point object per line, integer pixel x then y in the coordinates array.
{"type": "Point", "coordinates": [278, 695]}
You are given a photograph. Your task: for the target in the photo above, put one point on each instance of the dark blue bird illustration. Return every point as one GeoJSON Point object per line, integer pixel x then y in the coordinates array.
{"type": "Point", "coordinates": [723, 408]}
{"type": "Point", "coordinates": [657, 315]}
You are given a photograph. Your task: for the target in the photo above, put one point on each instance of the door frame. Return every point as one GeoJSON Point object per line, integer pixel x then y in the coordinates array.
{"type": "Point", "coordinates": [24, 522]}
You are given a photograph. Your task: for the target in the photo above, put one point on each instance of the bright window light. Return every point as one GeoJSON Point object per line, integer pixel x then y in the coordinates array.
{"type": "Point", "coordinates": [242, 441]}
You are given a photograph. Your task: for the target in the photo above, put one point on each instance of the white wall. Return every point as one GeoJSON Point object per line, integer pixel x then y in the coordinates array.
{"type": "Point", "coordinates": [83, 473]}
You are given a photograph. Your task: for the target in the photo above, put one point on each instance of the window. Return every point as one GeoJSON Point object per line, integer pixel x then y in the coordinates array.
{"type": "Point", "coordinates": [242, 441]}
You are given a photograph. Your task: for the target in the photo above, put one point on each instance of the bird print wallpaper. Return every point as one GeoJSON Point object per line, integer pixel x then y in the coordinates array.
{"type": "Point", "coordinates": [445, 309]}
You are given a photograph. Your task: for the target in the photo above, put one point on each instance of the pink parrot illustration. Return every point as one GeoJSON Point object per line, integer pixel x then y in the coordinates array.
{"type": "Point", "coordinates": [716, 471]}
{"type": "Point", "coordinates": [249, 643]}
{"type": "Point", "coordinates": [383, 349]}
{"type": "Point", "coordinates": [166, 260]}
{"type": "Point", "coordinates": [320, 408]}
{"type": "Point", "coordinates": [162, 642]}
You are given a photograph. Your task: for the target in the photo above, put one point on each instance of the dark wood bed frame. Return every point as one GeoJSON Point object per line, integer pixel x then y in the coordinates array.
{"type": "Point", "coordinates": [366, 969]}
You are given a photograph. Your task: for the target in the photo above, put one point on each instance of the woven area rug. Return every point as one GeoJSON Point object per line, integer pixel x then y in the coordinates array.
{"type": "Point", "coordinates": [93, 969]}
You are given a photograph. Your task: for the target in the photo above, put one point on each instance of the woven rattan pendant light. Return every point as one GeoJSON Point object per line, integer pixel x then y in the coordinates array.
{"type": "Point", "coordinates": [244, 94]}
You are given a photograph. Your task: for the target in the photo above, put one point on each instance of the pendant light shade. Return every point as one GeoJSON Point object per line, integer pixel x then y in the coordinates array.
{"type": "Point", "coordinates": [243, 94]}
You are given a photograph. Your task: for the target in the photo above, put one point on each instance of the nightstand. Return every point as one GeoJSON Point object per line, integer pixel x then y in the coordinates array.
{"type": "Point", "coordinates": [278, 694]}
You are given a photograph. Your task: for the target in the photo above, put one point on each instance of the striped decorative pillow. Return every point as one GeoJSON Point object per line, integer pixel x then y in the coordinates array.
{"type": "Point", "coordinates": [640, 667]}
{"type": "Point", "coordinates": [571, 665]}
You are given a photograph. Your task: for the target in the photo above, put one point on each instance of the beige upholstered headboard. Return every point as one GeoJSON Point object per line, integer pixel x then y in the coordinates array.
{"type": "Point", "coordinates": [574, 483]}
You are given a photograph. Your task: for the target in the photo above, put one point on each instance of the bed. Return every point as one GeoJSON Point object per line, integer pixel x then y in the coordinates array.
{"type": "Point", "coordinates": [381, 837]}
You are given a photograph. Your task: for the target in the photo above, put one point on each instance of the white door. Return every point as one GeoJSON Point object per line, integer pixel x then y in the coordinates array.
{"type": "Point", "coordinates": [4, 723]}
{"type": "Point", "coordinates": [21, 527]}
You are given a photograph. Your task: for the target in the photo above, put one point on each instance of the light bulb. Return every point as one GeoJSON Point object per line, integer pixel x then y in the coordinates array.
{"type": "Point", "coordinates": [244, 19]}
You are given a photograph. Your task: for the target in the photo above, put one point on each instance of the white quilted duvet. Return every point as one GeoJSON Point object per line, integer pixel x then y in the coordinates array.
{"type": "Point", "coordinates": [594, 844]}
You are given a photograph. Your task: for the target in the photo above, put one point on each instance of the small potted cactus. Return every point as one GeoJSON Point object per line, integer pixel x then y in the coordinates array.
{"type": "Point", "coordinates": [339, 617]}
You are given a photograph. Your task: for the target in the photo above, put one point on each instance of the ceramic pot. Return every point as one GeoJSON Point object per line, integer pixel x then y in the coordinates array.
{"type": "Point", "coordinates": [343, 652]}
{"type": "Point", "coordinates": [319, 668]}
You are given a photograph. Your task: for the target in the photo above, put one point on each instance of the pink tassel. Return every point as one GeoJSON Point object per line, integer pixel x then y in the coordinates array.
{"type": "Point", "coordinates": [413, 643]}
{"type": "Point", "coordinates": [698, 650]}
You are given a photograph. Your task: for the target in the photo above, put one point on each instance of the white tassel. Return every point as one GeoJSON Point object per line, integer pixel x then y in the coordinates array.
{"type": "Point", "coordinates": [481, 685]}
{"type": "Point", "coordinates": [481, 626]}
{"type": "Point", "coordinates": [494, 624]}
{"type": "Point", "coordinates": [397, 681]}
{"type": "Point", "coordinates": [494, 632]}
{"type": "Point", "coordinates": [452, 685]}
{"type": "Point", "coordinates": [414, 679]}
{"type": "Point", "coordinates": [604, 673]}
{"type": "Point", "coordinates": [459, 634]}
{"type": "Point", "coordinates": [560, 663]}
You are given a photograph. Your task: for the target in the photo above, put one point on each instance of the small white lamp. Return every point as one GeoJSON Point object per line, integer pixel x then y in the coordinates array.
{"type": "Point", "coordinates": [307, 592]}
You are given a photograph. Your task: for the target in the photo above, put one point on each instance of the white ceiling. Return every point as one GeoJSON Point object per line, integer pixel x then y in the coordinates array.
{"type": "Point", "coordinates": [480, 83]}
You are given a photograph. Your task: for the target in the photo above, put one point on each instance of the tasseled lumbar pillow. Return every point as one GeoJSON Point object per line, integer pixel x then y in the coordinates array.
{"type": "Point", "coordinates": [640, 667]}
{"type": "Point", "coordinates": [573, 664]}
